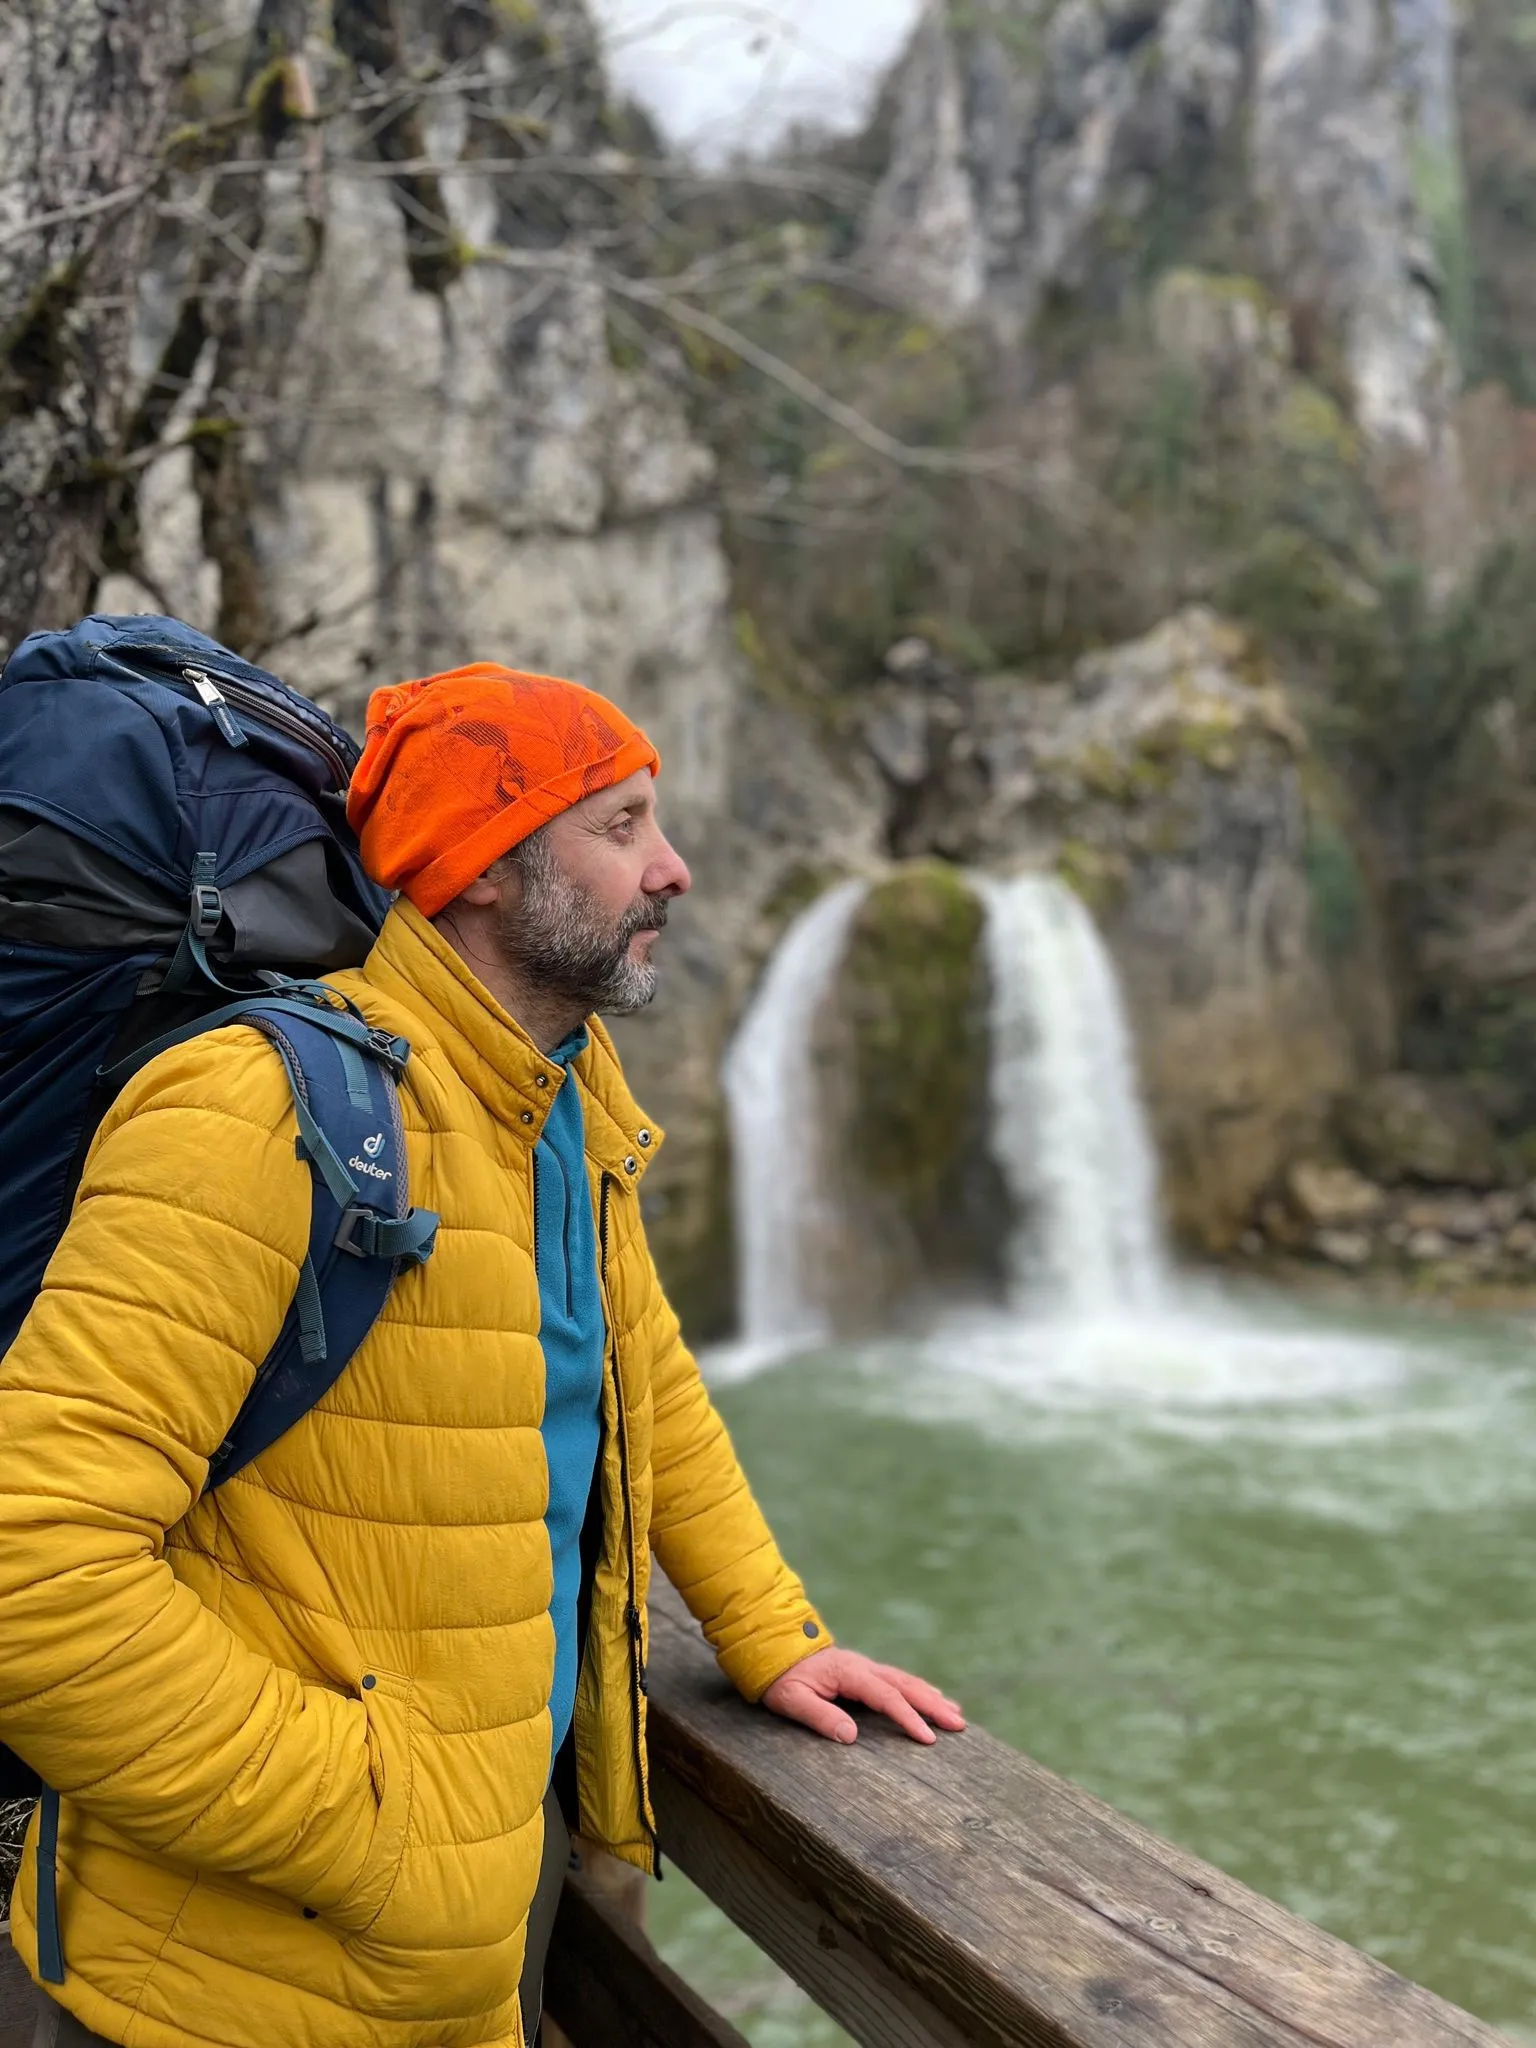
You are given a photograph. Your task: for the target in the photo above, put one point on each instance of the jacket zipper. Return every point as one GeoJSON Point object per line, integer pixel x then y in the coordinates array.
{"type": "Point", "coordinates": [220, 694]}
{"type": "Point", "coordinates": [632, 1622]}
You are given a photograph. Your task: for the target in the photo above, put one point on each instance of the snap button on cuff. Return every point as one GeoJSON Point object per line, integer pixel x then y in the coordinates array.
{"type": "Point", "coordinates": [369, 1681]}
{"type": "Point", "coordinates": [631, 1164]}
{"type": "Point", "coordinates": [541, 1080]}
{"type": "Point", "coordinates": [527, 1116]}
{"type": "Point", "coordinates": [643, 1137]}
{"type": "Point", "coordinates": [811, 1629]}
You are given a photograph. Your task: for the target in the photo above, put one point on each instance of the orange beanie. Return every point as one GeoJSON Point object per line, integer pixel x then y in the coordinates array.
{"type": "Point", "coordinates": [458, 768]}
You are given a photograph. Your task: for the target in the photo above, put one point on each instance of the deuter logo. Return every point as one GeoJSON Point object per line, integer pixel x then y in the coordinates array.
{"type": "Point", "coordinates": [372, 1147]}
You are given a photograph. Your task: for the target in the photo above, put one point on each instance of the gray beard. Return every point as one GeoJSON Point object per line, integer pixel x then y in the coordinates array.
{"type": "Point", "coordinates": [562, 944]}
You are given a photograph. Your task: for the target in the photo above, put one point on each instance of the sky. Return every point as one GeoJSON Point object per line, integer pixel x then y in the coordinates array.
{"type": "Point", "coordinates": [727, 77]}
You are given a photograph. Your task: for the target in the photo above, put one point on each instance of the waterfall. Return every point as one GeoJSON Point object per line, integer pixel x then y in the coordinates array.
{"type": "Point", "coordinates": [1068, 1130]}
{"type": "Point", "coordinates": [782, 1206]}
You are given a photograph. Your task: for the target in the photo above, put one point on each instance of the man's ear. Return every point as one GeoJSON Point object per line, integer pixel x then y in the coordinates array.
{"type": "Point", "coordinates": [482, 892]}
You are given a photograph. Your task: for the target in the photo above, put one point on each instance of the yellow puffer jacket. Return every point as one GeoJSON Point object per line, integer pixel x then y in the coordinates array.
{"type": "Point", "coordinates": [301, 1725]}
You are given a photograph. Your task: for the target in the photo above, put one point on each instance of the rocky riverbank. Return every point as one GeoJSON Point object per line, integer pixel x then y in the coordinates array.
{"type": "Point", "coordinates": [1420, 1194]}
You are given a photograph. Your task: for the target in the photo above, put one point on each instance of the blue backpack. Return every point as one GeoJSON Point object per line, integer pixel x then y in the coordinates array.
{"type": "Point", "coordinates": [174, 855]}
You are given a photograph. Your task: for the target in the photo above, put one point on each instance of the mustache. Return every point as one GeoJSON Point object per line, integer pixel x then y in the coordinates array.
{"type": "Point", "coordinates": [646, 913]}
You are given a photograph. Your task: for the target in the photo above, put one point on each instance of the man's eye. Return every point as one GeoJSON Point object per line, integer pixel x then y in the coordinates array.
{"type": "Point", "coordinates": [623, 826]}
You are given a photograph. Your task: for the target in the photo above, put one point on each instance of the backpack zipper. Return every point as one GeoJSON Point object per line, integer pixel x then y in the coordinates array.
{"type": "Point", "coordinates": [214, 698]}
{"type": "Point", "coordinates": [267, 710]}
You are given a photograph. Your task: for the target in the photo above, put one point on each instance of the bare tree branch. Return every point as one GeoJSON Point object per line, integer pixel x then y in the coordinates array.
{"type": "Point", "coordinates": [1003, 467]}
{"type": "Point", "coordinates": [84, 209]}
{"type": "Point", "coordinates": [615, 165]}
{"type": "Point", "coordinates": [370, 36]}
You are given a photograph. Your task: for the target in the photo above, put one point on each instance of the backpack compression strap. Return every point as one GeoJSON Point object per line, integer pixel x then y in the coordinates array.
{"type": "Point", "coordinates": [362, 1231]}
{"type": "Point", "coordinates": [362, 1227]}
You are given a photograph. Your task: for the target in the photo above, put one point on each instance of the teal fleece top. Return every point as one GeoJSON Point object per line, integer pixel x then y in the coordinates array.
{"type": "Point", "coordinates": [574, 1337]}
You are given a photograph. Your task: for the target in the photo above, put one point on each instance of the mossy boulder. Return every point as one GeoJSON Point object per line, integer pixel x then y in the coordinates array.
{"type": "Point", "coordinates": [909, 1041]}
{"type": "Point", "coordinates": [912, 981]}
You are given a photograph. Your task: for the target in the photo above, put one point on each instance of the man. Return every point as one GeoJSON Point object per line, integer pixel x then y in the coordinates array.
{"type": "Point", "coordinates": [305, 1727]}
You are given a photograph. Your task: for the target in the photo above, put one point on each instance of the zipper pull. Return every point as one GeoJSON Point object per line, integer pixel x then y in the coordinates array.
{"type": "Point", "coordinates": [637, 1636]}
{"type": "Point", "coordinates": [217, 703]}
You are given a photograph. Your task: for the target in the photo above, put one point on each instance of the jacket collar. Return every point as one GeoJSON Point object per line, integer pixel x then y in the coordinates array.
{"type": "Point", "coordinates": [461, 1022]}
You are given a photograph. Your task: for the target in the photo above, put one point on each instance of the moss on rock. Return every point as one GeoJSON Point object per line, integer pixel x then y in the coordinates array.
{"type": "Point", "coordinates": [913, 1001]}
{"type": "Point", "coordinates": [1335, 886]}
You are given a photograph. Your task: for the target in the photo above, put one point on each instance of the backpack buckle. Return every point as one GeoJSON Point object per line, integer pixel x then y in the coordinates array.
{"type": "Point", "coordinates": [368, 1235]}
{"type": "Point", "coordinates": [207, 910]}
{"type": "Point", "coordinates": [355, 1218]}
{"type": "Point", "coordinates": [394, 1052]}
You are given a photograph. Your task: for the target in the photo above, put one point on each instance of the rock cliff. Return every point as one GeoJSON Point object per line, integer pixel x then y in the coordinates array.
{"type": "Point", "coordinates": [1034, 148]}
{"type": "Point", "coordinates": [1169, 781]}
{"type": "Point", "coordinates": [477, 470]}
{"type": "Point", "coordinates": [1149, 337]}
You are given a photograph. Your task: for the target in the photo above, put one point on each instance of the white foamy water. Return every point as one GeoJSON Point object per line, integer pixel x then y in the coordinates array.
{"type": "Point", "coordinates": [779, 1186]}
{"type": "Point", "coordinates": [1202, 1355]}
{"type": "Point", "coordinates": [1068, 1130]}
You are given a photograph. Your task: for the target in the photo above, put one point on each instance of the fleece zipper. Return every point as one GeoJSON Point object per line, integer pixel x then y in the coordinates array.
{"type": "Point", "coordinates": [632, 1621]}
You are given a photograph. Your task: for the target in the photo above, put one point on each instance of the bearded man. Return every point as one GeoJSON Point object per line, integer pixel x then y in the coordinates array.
{"type": "Point", "coordinates": [331, 1726]}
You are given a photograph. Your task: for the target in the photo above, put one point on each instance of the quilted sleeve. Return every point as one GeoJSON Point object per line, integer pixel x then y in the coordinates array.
{"type": "Point", "coordinates": [708, 1532]}
{"type": "Point", "coordinates": [117, 1683]}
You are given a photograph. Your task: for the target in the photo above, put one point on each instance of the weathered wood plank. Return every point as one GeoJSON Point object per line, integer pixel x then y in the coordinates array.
{"type": "Point", "coordinates": [606, 1987]}
{"type": "Point", "coordinates": [1028, 1914]}
{"type": "Point", "coordinates": [18, 2001]}
{"type": "Point", "coordinates": [822, 1956]}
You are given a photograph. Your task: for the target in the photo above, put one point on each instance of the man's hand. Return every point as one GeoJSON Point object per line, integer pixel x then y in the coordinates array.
{"type": "Point", "coordinates": [808, 1693]}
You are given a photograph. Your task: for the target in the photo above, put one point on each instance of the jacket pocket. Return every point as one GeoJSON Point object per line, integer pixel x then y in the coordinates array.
{"type": "Point", "coordinates": [389, 1702]}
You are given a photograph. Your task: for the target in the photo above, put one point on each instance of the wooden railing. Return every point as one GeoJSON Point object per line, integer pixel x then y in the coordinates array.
{"type": "Point", "coordinates": [929, 1898]}
{"type": "Point", "coordinates": [953, 1897]}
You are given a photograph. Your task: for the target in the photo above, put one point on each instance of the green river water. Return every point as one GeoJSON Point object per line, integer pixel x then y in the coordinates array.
{"type": "Point", "coordinates": [1264, 1579]}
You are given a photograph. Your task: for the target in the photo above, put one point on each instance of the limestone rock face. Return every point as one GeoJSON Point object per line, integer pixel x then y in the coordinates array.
{"type": "Point", "coordinates": [924, 220]}
{"type": "Point", "coordinates": [1013, 138]}
{"type": "Point", "coordinates": [1334, 138]}
{"type": "Point", "coordinates": [478, 473]}
{"type": "Point", "coordinates": [476, 480]}
{"type": "Point", "coordinates": [1030, 145]}
{"type": "Point", "coordinates": [1167, 781]}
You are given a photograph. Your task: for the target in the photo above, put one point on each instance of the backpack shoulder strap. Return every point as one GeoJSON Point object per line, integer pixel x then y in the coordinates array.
{"type": "Point", "coordinates": [362, 1227]}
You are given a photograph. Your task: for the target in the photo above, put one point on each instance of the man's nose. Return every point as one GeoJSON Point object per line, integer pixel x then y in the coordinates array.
{"type": "Point", "coordinates": [667, 874]}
